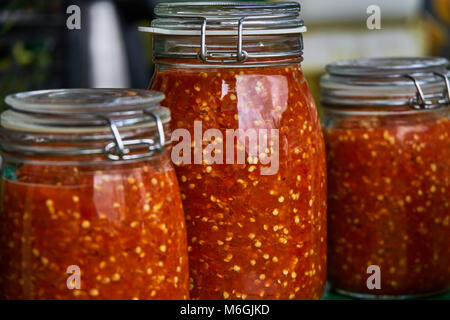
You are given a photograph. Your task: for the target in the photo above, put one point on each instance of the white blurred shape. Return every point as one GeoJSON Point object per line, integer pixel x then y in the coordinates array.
{"type": "Point", "coordinates": [355, 10]}
{"type": "Point", "coordinates": [107, 55]}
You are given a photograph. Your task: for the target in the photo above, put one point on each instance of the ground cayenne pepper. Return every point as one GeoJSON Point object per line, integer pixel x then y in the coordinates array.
{"type": "Point", "coordinates": [388, 202]}
{"type": "Point", "coordinates": [252, 236]}
{"type": "Point", "coordinates": [123, 226]}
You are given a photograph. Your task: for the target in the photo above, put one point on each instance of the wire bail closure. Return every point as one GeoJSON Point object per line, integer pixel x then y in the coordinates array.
{"type": "Point", "coordinates": [239, 55]}
{"type": "Point", "coordinates": [420, 101]}
{"type": "Point", "coordinates": [120, 149]}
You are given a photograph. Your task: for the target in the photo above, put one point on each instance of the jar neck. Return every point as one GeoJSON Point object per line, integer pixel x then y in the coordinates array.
{"type": "Point", "coordinates": [196, 65]}
{"type": "Point", "coordinates": [225, 50]}
{"type": "Point", "coordinates": [388, 110]}
{"type": "Point", "coordinates": [139, 143]}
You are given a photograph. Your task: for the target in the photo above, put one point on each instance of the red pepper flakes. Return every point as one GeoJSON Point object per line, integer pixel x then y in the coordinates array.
{"type": "Point", "coordinates": [252, 236]}
{"type": "Point", "coordinates": [388, 203]}
{"type": "Point", "coordinates": [123, 226]}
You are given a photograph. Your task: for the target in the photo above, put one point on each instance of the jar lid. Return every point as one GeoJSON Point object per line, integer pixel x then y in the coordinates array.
{"type": "Point", "coordinates": [83, 101]}
{"type": "Point", "coordinates": [111, 117]}
{"type": "Point", "coordinates": [237, 19]}
{"type": "Point", "coordinates": [417, 82]}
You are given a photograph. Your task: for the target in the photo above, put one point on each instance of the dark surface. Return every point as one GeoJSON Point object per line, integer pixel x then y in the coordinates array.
{"type": "Point", "coordinates": [331, 295]}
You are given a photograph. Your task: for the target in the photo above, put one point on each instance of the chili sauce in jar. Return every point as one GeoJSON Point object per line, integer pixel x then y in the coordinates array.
{"type": "Point", "coordinates": [90, 205]}
{"type": "Point", "coordinates": [387, 130]}
{"type": "Point", "coordinates": [255, 208]}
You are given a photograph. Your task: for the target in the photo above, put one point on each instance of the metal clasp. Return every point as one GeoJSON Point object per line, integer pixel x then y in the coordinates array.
{"type": "Point", "coordinates": [160, 127]}
{"type": "Point", "coordinates": [120, 149]}
{"type": "Point", "coordinates": [206, 55]}
{"type": "Point", "coordinates": [420, 101]}
{"type": "Point", "coordinates": [447, 83]}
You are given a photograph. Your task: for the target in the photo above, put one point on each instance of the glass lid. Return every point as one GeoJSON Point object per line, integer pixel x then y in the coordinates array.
{"type": "Point", "coordinates": [417, 82]}
{"type": "Point", "coordinates": [387, 66]}
{"type": "Point", "coordinates": [224, 17]}
{"type": "Point", "coordinates": [82, 101]}
{"type": "Point", "coordinates": [225, 9]}
{"type": "Point", "coordinates": [82, 110]}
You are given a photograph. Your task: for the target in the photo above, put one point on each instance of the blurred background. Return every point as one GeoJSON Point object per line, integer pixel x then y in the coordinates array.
{"type": "Point", "coordinates": [38, 51]}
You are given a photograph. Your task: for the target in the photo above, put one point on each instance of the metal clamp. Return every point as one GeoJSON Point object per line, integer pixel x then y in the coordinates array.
{"type": "Point", "coordinates": [120, 149]}
{"type": "Point", "coordinates": [420, 101]}
{"type": "Point", "coordinates": [160, 127]}
{"type": "Point", "coordinates": [447, 82]}
{"type": "Point", "coordinates": [239, 55]}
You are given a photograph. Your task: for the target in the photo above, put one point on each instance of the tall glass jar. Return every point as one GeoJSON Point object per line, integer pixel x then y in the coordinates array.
{"type": "Point", "coordinates": [90, 206]}
{"type": "Point", "coordinates": [387, 130]}
{"type": "Point", "coordinates": [254, 187]}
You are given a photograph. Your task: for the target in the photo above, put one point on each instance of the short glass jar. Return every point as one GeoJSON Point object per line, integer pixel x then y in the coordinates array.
{"type": "Point", "coordinates": [256, 228]}
{"type": "Point", "coordinates": [387, 128]}
{"type": "Point", "coordinates": [90, 205]}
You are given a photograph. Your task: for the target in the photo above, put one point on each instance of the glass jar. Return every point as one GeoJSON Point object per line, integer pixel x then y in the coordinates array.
{"type": "Point", "coordinates": [255, 210]}
{"type": "Point", "coordinates": [387, 129]}
{"type": "Point", "coordinates": [90, 205]}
